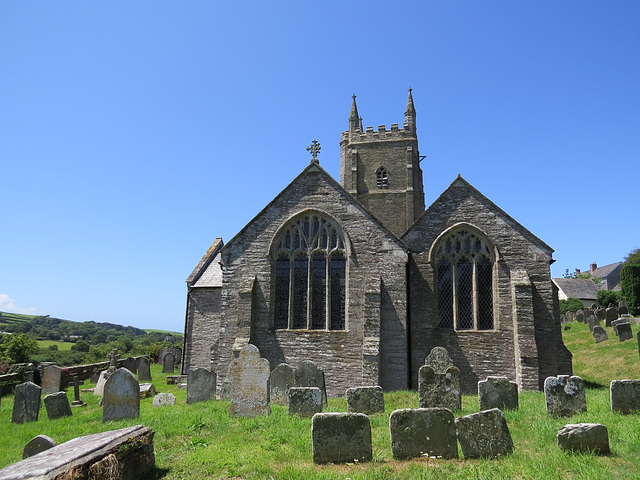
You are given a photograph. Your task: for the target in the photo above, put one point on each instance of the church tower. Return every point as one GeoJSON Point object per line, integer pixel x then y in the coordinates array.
{"type": "Point", "coordinates": [381, 169]}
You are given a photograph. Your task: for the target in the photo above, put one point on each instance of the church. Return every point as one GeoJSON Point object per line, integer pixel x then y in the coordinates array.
{"type": "Point", "coordinates": [360, 278]}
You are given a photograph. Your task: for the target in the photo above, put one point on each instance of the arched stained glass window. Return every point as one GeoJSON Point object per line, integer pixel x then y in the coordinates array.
{"type": "Point", "coordinates": [310, 275]}
{"type": "Point", "coordinates": [464, 271]}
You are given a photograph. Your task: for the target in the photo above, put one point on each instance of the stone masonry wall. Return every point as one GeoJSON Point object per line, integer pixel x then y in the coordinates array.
{"type": "Point", "coordinates": [202, 327]}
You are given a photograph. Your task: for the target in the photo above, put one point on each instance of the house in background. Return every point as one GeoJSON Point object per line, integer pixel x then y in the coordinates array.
{"type": "Point", "coordinates": [581, 288]}
{"type": "Point", "coordinates": [609, 275]}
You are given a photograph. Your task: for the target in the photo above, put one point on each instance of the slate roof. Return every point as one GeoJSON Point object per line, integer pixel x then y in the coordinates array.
{"type": "Point", "coordinates": [206, 274]}
{"type": "Point", "coordinates": [602, 272]}
{"type": "Point", "coordinates": [581, 288]}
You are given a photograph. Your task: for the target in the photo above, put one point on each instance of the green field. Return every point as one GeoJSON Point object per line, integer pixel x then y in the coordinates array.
{"type": "Point", "coordinates": [201, 441]}
{"type": "Point", "coordinates": [44, 344]}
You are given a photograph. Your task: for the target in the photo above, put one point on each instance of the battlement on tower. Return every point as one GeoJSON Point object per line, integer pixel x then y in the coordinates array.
{"type": "Point", "coordinates": [369, 135]}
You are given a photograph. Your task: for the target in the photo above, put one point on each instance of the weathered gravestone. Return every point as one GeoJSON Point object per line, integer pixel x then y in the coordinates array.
{"type": "Point", "coordinates": [423, 431]}
{"type": "Point", "coordinates": [168, 363]}
{"type": "Point", "coordinates": [565, 395]}
{"type": "Point", "coordinates": [625, 396]}
{"type": "Point", "coordinates": [439, 389]}
{"type": "Point", "coordinates": [584, 437]}
{"type": "Point", "coordinates": [624, 331]}
{"type": "Point", "coordinates": [131, 364]}
{"type": "Point", "coordinates": [51, 379]}
{"type": "Point", "coordinates": [498, 392]}
{"type": "Point", "coordinates": [147, 390]}
{"type": "Point", "coordinates": [570, 316]}
{"type": "Point", "coordinates": [26, 403]}
{"type": "Point", "coordinates": [164, 400]}
{"type": "Point", "coordinates": [144, 370]}
{"type": "Point", "coordinates": [341, 437]}
{"type": "Point", "coordinates": [367, 400]}
{"type": "Point", "coordinates": [580, 316]}
{"type": "Point", "coordinates": [249, 375]}
{"type": "Point", "coordinates": [622, 308]}
{"type": "Point", "coordinates": [75, 383]}
{"type": "Point", "coordinates": [615, 324]}
{"type": "Point", "coordinates": [592, 321]}
{"type": "Point", "coordinates": [201, 385]}
{"type": "Point", "coordinates": [36, 445]}
{"type": "Point", "coordinates": [121, 396]}
{"type": "Point", "coordinates": [484, 434]}
{"type": "Point", "coordinates": [281, 380]}
{"type": "Point", "coordinates": [305, 401]}
{"type": "Point", "coordinates": [99, 388]}
{"type": "Point", "coordinates": [439, 360]}
{"type": "Point", "coordinates": [162, 353]}
{"type": "Point", "coordinates": [611, 314]}
{"type": "Point", "coordinates": [601, 314]}
{"type": "Point", "coordinates": [563, 319]}
{"type": "Point", "coordinates": [600, 334]}
{"type": "Point", "coordinates": [308, 374]}
{"type": "Point", "coordinates": [57, 405]}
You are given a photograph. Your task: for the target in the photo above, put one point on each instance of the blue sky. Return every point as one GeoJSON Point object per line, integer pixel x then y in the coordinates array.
{"type": "Point", "coordinates": [134, 133]}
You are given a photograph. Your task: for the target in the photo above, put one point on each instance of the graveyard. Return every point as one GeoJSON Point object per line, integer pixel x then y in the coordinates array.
{"type": "Point", "coordinates": [204, 439]}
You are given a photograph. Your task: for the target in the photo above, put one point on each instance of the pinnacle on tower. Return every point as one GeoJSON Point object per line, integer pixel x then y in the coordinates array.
{"type": "Point", "coordinates": [410, 113]}
{"type": "Point", "coordinates": [354, 119]}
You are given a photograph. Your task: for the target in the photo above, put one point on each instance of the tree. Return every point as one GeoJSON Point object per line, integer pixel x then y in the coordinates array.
{"type": "Point", "coordinates": [606, 297]}
{"type": "Point", "coordinates": [570, 305]}
{"type": "Point", "coordinates": [630, 285]}
{"type": "Point", "coordinates": [633, 258]}
{"type": "Point", "coordinates": [81, 346]}
{"type": "Point", "coordinates": [19, 347]}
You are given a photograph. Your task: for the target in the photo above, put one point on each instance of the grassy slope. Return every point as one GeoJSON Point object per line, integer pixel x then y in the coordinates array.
{"type": "Point", "coordinates": [200, 440]}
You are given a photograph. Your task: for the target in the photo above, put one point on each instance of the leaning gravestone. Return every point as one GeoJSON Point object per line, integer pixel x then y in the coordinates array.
{"type": "Point", "coordinates": [26, 403]}
{"type": "Point", "coordinates": [341, 437]}
{"type": "Point", "coordinates": [565, 395]}
{"type": "Point", "coordinates": [367, 400]}
{"type": "Point", "coordinates": [249, 375]}
{"type": "Point", "coordinates": [121, 396]}
{"type": "Point", "coordinates": [625, 396]}
{"type": "Point", "coordinates": [305, 401]}
{"type": "Point", "coordinates": [201, 385]}
{"type": "Point", "coordinates": [281, 380]}
{"type": "Point", "coordinates": [600, 334]}
{"type": "Point", "coordinates": [168, 363]}
{"type": "Point", "coordinates": [601, 313]}
{"type": "Point", "coordinates": [615, 324]}
{"type": "Point", "coordinates": [592, 321]}
{"type": "Point", "coordinates": [309, 375]}
{"type": "Point", "coordinates": [131, 364]}
{"type": "Point", "coordinates": [570, 316]}
{"type": "Point", "coordinates": [51, 379]}
{"type": "Point", "coordinates": [439, 389]}
{"type": "Point", "coordinates": [423, 431]}
{"type": "Point", "coordinates": [36, 445]}
{"type": "Point", "coordinates": [584, 437]}
{"type": "Point", "coordinates": [498, 392]}
{"type": "Point", "coordinates": [99, 389]}
{"type": "Point", "coordinates": [439, 360]}
{"type": "Point", "coordinates": [57, 405]}
{"type": "Point", "coordinates": [164, 400]}
{"type": "Point", "coordinates": [144, 370]}
{"type": "Point", "coordinates": [624, 331]}
{"type": "Point", "coordinates": [484, 434]}
{"type": "Point", "coordinates": [611, 314]}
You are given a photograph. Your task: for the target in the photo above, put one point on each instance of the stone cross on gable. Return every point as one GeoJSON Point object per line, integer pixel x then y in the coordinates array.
{"type": "Point", "coordinates": [314, 148]}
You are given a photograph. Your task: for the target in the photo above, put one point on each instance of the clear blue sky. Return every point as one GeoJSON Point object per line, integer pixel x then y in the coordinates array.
{"type": "Point", "coordinates": [134, 133]}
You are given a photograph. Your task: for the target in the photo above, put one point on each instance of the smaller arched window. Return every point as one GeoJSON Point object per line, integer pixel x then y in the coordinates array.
{"type": "Point", "coordinates": [382, 178]}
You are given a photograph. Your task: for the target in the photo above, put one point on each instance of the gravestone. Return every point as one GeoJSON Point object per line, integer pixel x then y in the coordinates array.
{"type": "Point", "coordinates": [622, 308]}
{"type": "Point", "coordinates": [57, 405]}
{"type": "Point", "coordinates": [309, 375]}
{"type": "Point", "coordinates": [580, 316]}
{"type": "Point", "coordinates": [484, 434]}
{"type": "Point", "coordinates": [305, 401]}
{"type": "Point", "coordinates": [121, 396]}
{"type": "Point", "coordinates": [570, 316]}
{"type": "Point", "coordinates": [439, 360]}
{"type": "Point", "coordinates": [144, 369]}
{"type": "Point", "coordinates": [615, 324]}
{"type": "Point", "coordinates": [164, 400]}
{"type": "Point", "coordinates": [625, 396]}
{"type": "Point", "coordinates": [168, 363]}
{"type": "Point", "coordinates": [611, 315]}
{"type": "Point", "coordinates": [584, 437]}
{"type": "Point", "coordinates": [162, 353]}
{"type": "Point", "coordinates": [26, 403]}
{"type": "Point", "coordinates": [592, 321]}
{"type": "Point", "coordinates": [601, 314]}
{"type": "Point", "coordinates": [99, 389]}
{"type": "Point", "coordinates": [367, 400]}
{"type": "Point", "coordinates": [37, 444]}
{"type": "Point", "coordinates": [201, 385]}
{"type": "Point", "coordinates": [249, 375]}
{"type": "Point", "coordinates": [51, 379]}
{"type": "Point", "coordinates": [498, 392]}
{"type": "Point", "coordinates": [341, 437]}
{"type": "Point", "coordinates": [439, 389]}
{"type": "Point", "coordinates": [624, 331]}
{"type": "Point", "coordinates": [95, 376]}
{"type": "Point", "coordinates": [131, 364]}
{"type": "Point", "coordinates": [75, 383]}
{"type": "Point", "coordinates": [423, 431]}
{"type": "Point", "coordinates": [565, 395]}
{"type": "Point", "coordinates": [563, 319]}
{"type": "Point", "coordinates": [281, 380]}
{"type": "Point", "coordinates": [600, 334]}
{"type": "Point", "coordinates": [147, 390]}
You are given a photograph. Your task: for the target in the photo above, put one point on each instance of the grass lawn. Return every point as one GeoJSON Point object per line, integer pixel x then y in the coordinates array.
{"type": "Point", "coordinates": [44, 344]}
{"type": "Point", "coordinates": [201, 441]}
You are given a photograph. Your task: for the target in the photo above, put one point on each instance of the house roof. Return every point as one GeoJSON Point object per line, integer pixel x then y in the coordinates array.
{"type": "Point", "coordinates": [581, 288]}
{"type": "Point", "coordinates": [602, 272]}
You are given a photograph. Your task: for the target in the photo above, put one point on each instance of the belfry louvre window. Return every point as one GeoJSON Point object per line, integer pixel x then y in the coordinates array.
{"type": "Point", "coordinates": [310, 274]}
{"type": "Point", "coordinates": [382, 178]}
{"type": "Point", "coordinates": [464, 271]}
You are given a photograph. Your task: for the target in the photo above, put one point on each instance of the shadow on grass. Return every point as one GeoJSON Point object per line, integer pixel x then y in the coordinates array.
{"type": "Point", "coordinates": [157, 474]}
{"type": "Point", "coordinates": [594, 385]}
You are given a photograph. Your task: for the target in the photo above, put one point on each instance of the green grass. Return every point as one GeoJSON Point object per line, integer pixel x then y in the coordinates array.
{"type": "Point", "coordinates": [45, 344]}
{"type": "Point", "coordinates": [202, 441]}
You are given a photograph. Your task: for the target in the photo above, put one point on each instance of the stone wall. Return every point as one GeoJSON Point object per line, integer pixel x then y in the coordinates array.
{"type": "Point", "coordinates": [202, 327]}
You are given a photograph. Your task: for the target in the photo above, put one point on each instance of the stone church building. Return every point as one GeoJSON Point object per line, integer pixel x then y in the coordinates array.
{"type": "Point", "coordinates": [360, 278]}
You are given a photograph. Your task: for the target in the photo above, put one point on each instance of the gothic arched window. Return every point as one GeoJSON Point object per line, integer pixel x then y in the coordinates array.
{"type": "Point", "coordinates": [464, 271]}
{"type": "Point", "coordinates": [382, 178]}
{"type": "Point", "coordinates": [310, 274]}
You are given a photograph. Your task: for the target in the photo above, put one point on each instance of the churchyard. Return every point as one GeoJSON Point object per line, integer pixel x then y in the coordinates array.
{"type": "Point", "coordinates": [201, 440]}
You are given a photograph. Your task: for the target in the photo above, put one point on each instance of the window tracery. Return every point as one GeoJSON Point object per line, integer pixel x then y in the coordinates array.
{"type": "Point", "coordinates": [382, 178]}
